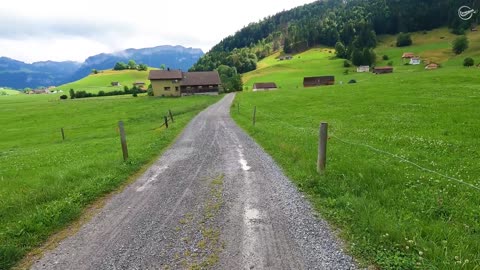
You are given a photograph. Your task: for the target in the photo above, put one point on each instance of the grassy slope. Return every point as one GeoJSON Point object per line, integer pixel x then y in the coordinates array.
{"type": "Point", "coordinates": [102, 81]}
{"type": "Point", "coordinates": [392, 213]}
{"type": "Point", "coordinates": [9, 92]}
{"type": "Point", "coordinates": [46, 182]}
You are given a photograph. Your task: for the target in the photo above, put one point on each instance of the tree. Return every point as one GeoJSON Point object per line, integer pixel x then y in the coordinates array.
{"type": "Point", "coordinates": [460, 44]}
{"type": "Point", "coordinates": [72, 94]}
{"type": "Point", "coordinates": [357, 57]}
{"type": "Point", "coordinates": [340, 50]}
{"type": "Point", "coordinates": [163, 67]}
{"type": "Point", "coordinates": [369, 57]}
{"type": "Point", "coordinates": [404, 39]}
{"type": "Point", "coordinates": [94, 71]}
{"type": "Point", "coordinates": [63, 97]}
{"type": "Point", "coordinates": [132, 64]}
{"type": "Point", "coordinates": [120, 66]}
{"type": "Point", "coordinates": [142, 67]}
{"type": "Point", "coordinates": [468, 62]}
{"type": "Point", "coordinates": [287, 46]}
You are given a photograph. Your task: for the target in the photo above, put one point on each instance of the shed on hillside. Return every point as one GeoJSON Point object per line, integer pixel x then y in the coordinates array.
{"type": "Point", "coordinates": [264, 86]}
{"type": "Point", "coordinates": [115, 83]}
{"type": "Point", "coordinates": [318, 81]}
{"type": "Point", "coordinates": [363, 69]}
{"type": "Point", "coordinates": [431, 66]}
{"type": "Point", "coordinates": [382, 70]}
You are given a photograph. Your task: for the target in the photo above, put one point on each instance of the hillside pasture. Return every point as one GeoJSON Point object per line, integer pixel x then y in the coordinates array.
{"type": "Point", "coordinates": [403, 177]}
{"type": "Point", "coordinates": [94, 83]}
{"type": "Point", "coordinates": [46, 182]}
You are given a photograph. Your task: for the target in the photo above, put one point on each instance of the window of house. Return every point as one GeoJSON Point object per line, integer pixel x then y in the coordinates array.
{"type": "Point", "coordinates": [167, 88]}
{"type": "Point", "coordinates": [176, 88]}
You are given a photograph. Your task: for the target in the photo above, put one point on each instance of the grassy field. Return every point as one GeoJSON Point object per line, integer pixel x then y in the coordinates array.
{"type": "Point", "coordinates": [403, 173]}
{"type": "Point", "coordinates": [102, 81]}
{"type": "Point", "coordinates": [8, 92]}
{"type": "Point", "coordinates": [45, 182]}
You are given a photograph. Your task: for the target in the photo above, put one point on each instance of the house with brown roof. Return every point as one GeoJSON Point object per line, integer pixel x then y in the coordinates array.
{"type": "Point", "coordinates": [178, 83]}
{"type": "Point", "coordinates": [382, 70]}
{"type": "Point", "coordinates": [264, 86]}
{"type": "Point", "coordinates": [318, 81]}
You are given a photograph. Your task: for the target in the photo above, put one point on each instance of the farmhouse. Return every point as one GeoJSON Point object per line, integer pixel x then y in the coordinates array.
{"type": "Point", "coordinates": [407, 56]}
{"type": "Point", "coordinates": [318, 81]}
{"type": "Point", "coordinates": [415, 61]}
{"type": "Point", "coordinates": [178, 83]}
{"type": "Point", "coordinates": [382, 70]}
{"type": "Point", "coordinates": [264, 86]}
{"type": "Point", "coordinates": [363, 69]}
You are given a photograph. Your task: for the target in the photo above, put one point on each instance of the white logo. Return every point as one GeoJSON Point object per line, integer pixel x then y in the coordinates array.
{"type": "Point", "coordinates": [465, 13]}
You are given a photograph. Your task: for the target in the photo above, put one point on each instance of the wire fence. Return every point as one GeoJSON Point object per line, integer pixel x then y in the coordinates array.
{"type": "Point", "coordinates": [314, 132]}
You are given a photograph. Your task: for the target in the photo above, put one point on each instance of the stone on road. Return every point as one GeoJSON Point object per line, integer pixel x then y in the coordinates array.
{"type": "Point", "coordinates": [216, 200]}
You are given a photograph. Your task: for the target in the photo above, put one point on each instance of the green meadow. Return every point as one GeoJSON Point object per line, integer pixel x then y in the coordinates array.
{"type": "Point", "coordinates": [8, 92]}
{"type": "Point", "coordinates": [403, 173]}
{"type": "Point", "coordinates": [46, 182]}
{"type": "Point", "coordinates": [101, 81]}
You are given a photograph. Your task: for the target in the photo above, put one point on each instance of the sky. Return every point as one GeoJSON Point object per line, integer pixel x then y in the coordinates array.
{"type": "Point", "coordinates": [62, 30]}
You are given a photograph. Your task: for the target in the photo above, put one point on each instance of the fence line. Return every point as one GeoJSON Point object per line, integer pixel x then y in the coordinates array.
{"type": "Point", "coordinates": [314, 131]}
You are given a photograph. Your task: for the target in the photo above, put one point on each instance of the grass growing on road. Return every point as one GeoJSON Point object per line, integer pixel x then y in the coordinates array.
{"type": "Point", "coordinates": [46, 182]}
{"type": "Point", "coordinates": [392, 213]}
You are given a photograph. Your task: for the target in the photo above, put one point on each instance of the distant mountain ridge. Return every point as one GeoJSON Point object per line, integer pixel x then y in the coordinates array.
{"type": "Point", "coordinates": [19, 75]}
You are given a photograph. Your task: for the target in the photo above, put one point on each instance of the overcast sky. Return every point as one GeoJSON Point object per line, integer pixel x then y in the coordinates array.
{"type": "Point", "coordinates": [73, 30]}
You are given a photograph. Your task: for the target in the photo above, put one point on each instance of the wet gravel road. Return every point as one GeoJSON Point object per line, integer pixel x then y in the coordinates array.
{"type": "Point", "coordinates": [214, 200]}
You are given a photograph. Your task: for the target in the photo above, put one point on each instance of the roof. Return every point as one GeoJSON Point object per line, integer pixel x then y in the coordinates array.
{"type": "Point", "coordinates": [408, 55]}
{"type": "Point", "coordinates": [383, 68]}
{"type": "Point", "coordinates": [165, 75]}
{"type": "Point", "coordinates": [138, 83]}
{"type": "Point", "coordinates": [266, 85]}
{"type": "Point", "coordinates": [200, 78]}
{"type": "Point", "coordinates": [329, 78]}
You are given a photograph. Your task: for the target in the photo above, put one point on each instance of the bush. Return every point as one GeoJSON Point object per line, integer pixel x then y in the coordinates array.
{"type": "Point", "coordinates": [135, 94]}
{"type": "Point", "coordinates": [385, 57]}
{"type": "Point", "coordinates": [468, 62]}
{"type": "Point", "coordinates": [404, 39]}
{"type": "Point", "coordinates": [150, 92]}
{"type": "Point", "coordinates": [101, 93]}
{"type": "Point", "coordinates": [63, 97]}
{"type": "Point", "coordinates": [347, 64]}
{"type": "Point", "coordinates": [390, 63]}
{"type": "Point", "coordinates": [460, 44]}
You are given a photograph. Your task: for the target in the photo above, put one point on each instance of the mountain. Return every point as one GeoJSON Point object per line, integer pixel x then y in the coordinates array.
{"type": "Point", "coordinates": [19, 75]}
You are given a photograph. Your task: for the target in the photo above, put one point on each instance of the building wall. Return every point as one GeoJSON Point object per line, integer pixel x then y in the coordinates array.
{"type": "Point", "coordinates": [160, 85]}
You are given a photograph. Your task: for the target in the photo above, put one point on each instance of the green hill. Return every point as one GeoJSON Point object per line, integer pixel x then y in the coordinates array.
{"type": "Point", "coordinates": [102, 81]}
{"type": "Point", "coordinates": [402, 179]}
{"type": "Point", "coordinates": [8, 92]}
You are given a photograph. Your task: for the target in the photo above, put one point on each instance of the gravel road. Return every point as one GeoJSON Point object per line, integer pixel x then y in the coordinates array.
{"type": "Point", "coordinates": [214, 200]}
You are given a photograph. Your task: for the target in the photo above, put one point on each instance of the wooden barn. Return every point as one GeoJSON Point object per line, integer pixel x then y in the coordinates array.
{"type": "Point", "coordinates": [264, 86]}
{"type": "Point", "coordinates": [382, 70]}
{"type": "Point", "coordinates": [318, 81]}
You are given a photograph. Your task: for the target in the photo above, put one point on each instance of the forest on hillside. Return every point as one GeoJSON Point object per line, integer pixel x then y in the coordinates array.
{"type": "Point", "coordinates": [353, 24]}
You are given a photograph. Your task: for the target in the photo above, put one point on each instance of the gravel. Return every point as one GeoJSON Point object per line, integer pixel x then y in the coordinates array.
{"type": "Point", "coordinates": [215, 199]}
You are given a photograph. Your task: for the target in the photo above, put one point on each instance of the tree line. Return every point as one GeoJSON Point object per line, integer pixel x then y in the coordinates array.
{"type": "Point", "coordinates": [349, 25]}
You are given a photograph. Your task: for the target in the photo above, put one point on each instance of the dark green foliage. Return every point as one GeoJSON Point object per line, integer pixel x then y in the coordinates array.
{"type": "Point", "coordinates": [230, 78]}
{"type": "Point", "coordinates": [287, 46]}
{"type": "Point", "coordinates": [404, 39]}
{"type": "Point", "coordinates": [63, 97]}
{"type": "Point", "coordinates": [385, 57]}
{"type": "Point", "coordinates": [120, 66]}
{"type": "Point", "coordinates": [357, 57]}
{"type": "Point", "coordinates": [142, 67]}
{"type": "Point", "coordinates": [150, 92]}
{"type": "Point", "coordinates": [72, 94]}
{"type": "Point", "coordinates": [101, 93]}
{"type": "Point", "coordinates": [340, 50]}
{"type": "Point", "coordinates": [390, 63]}
{"type": "Point", "coordinates": [132, 64]}
{"type": "Point", "coordinates": [346, 63]}
{"type": "Point", "coordinates": [460, 44]}
{"type": "Point", "coordinates": [126, 89]}
{"type": "Point", "coordinates": [468, 62]}
{"type": "Point", "coordinates": [94, 71]}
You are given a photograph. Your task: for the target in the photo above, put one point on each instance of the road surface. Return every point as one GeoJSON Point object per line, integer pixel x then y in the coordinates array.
{"type": "Point", "coordinates": [214, 200]}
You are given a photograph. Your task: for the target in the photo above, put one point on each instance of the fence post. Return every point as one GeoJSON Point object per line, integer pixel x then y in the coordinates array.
{"type": "Point", "coordinates": [123, 140]}
{"type": "Point", "coordinates": [238, 107]}
{"type": "Point", "coordinates": [322, 148]}
{"type": "Point", "coordinates": [166, 121]}
{"type": "Point", "coordinates": [254, 114]}
{"type": "Point", "coordinates": [63, 134]}
{"type": "Point", "coordinates": [171, 115]}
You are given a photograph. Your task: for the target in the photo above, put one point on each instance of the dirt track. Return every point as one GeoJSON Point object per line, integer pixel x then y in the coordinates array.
{"type": "Point", "coordinates": [215, 199]}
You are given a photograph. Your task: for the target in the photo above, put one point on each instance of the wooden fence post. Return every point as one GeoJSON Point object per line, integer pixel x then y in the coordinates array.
{"type": "Point", "coordinates": [63, 134]}
{"type": "Point", "coordinates": [166, 121]}
{"type": "Point", "coordinates": [123, 140]}
{"type": "Point", "coordinates": [238, 107]}
{"type": "Point", "coordinates": [254, 114]}
{"type": "Point", "coordinates": [322, 148]}
{"type": "Point", "coordinates": [171, 115]}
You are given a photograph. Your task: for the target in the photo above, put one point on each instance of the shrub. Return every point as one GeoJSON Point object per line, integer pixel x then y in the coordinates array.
{"type": "Point", "coordinates": [101, 93]}
{"type": "Point", "coordinates": [135, 94]}
{"type": "Point", "coordinates": [390, 63]}
{"type": "Point", "coordinates": [150, 92]}
{"type": "Point", "coordinates": [385, 57]}
{"type": "Point", "coordinates": [347, 64]}
{"type": "Point", "coordinates": [468, 62]}
{"type": "Point", "coordinates": [404, 39]}
{"type": "Point", "coordinates": [63, 97]}
{"type": "Point", "coordinates": [460, 44]}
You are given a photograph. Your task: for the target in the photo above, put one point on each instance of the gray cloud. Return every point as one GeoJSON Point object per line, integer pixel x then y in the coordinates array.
{"type": "Point", "coordinates": [19, 28]}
